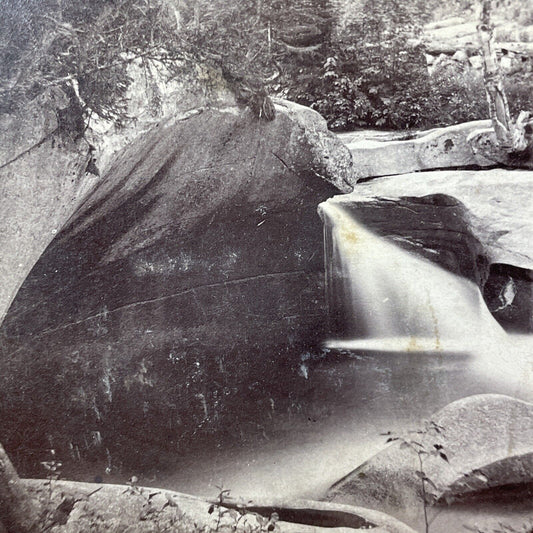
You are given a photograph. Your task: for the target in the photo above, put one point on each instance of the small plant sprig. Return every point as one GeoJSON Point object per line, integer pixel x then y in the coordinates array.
{"type": "Point", "coordinates": [53, 470]}
{"type": "Point", "coordinates": [239, 513]}
{"type": "Point", "coordinates": [151, 511]}
{"type": "Point", "coordinates": [411, 441]}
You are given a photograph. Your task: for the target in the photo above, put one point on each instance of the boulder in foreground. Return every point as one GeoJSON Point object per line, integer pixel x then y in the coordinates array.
{"type": "Point", "coordinates": [102, 508]}
{"type": "Point", "coordinates": [487, 444]}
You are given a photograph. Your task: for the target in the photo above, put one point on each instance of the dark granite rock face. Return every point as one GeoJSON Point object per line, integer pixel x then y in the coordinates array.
{"type": "Point", "coordinates": [434, 226]}
{"type": "Point", "coordinates": [192, 274]}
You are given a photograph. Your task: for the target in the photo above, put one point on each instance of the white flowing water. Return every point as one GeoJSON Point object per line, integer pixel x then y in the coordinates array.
{"type": "Point", "coordinates": [396, 300]}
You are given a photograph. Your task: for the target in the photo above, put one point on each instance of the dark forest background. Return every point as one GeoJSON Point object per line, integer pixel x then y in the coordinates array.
{"type": "Point", "coordinates": [360, 63]}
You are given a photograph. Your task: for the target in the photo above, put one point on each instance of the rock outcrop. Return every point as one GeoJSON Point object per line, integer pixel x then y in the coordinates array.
{"type": "Point", "coordinates": [487, 444]}
{"type": "Point", "coordinates": [102, 508]}
{"type": "Point", "coordinates": [458, 35]}
{"type": "Point", "coordinates": [155, 94]}
{"type": "Point", "coordinates": [474, 223]}
{"type": "Point", "coordinates": [43, 180]}
{"type": "Point", "coordinates": [435, 149]}
{"type": "Point", "coordinates": [195, 266]}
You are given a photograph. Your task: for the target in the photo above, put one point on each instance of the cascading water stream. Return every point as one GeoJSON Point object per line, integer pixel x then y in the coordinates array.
{"type": "Point", "coordinates": [393, 300]}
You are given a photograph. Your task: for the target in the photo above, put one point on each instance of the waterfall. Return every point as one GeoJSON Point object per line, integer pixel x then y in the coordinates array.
{"type": "Point", "coordinates": [385, 298]}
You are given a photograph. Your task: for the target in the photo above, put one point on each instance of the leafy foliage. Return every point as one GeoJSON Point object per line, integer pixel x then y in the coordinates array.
{"type": "Point", "coordinates": [88, 45]}
{"type": "Point", "coordinates": [371, 74]}
{"type": "Point", "coordinates": [423, 443]}
{"type": "Point", "coordinates": [354, 61]}
{"type": "Point", "coordinates": [457, 96]}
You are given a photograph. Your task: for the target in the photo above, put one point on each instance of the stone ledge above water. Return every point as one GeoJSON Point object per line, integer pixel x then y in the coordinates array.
{"type": "Point", "coordinates": [378, 154]}
{"type": "Point", "coordinates": [106, 507]}
{"type": "Point", "coordinates": [498, 205]}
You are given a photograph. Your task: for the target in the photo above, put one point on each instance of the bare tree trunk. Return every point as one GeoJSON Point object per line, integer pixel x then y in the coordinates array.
{"type": "Point", "coordinates": [197, 16]}
{"type": "Point", "coordinates": [18, 512]}
{"type": "Point", "coordinates": [511, 136]}
{"type": "Point", "coordinates": [177, 14]}
{"type": "Point", "coordinates": [258, 10]}
{"type": "Point", "coordinates": [498, 105]}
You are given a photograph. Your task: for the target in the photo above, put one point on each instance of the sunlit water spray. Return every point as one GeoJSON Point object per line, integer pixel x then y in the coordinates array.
{"type": "Point", "coordinates": [395, 301]}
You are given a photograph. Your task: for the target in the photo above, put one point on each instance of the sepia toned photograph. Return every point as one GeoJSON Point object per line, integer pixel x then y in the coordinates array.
{"type": "Point", "coordinates": [266, 266]}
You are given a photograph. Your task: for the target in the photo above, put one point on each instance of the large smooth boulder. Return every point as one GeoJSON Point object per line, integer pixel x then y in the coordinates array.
{"type": "Point", "coordinates": [477, 224]}
{"type": "Point", "coordinates": [47, 147]}
{"type": "Point", "coordinates": [487, 443]}
{"type": "Point", "coordinates": [42, 182]}
{"type": "Point", "coordinates": [192, 275]}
